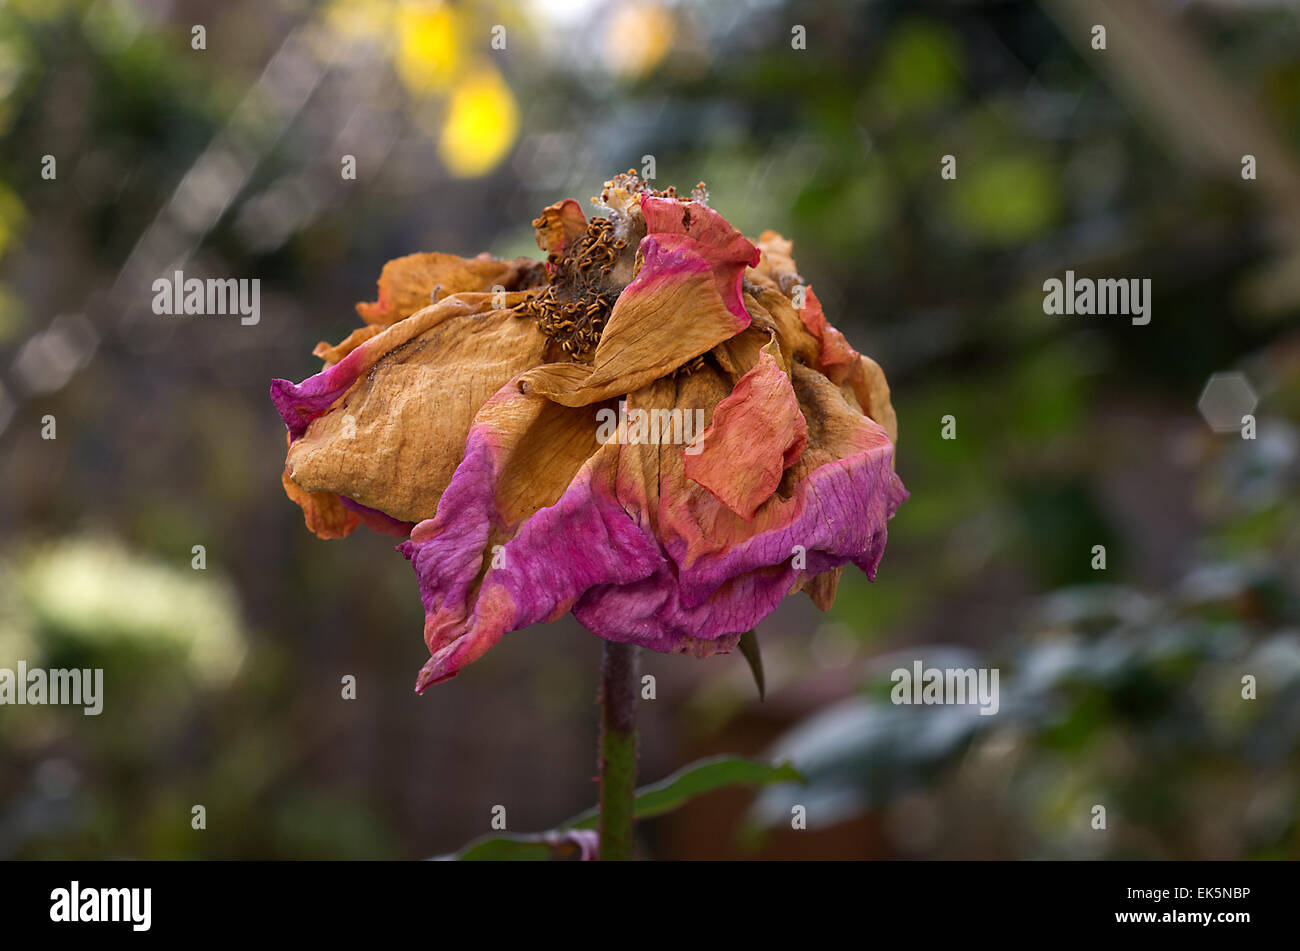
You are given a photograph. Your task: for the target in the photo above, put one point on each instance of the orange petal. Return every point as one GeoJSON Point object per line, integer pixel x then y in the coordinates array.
{"type": "Point", "coordinates": [558, 224]}
{"type": "Point", "coordinates": [756, 434]}
{"type": "Point", "coordinates": [810, 336]}
{"type": "Point", "coordinates": [707, 529]}
{"type": "Point", "coordinates": [776, 265]}
{"type": "Point", "coordinates": [835, 358]}
{"type": "Point", "coordinates": [821, 588]}
{"type": "Point", "coordinates": [324, 512]}
{"type": "Point", "coordinates": [410, 283]}
{"type": "Point", "coordinates": [871, 390]}
{"type": "Point", "coordinates": [332, 354]}
{"type": "Point", "coordinates": [773, 312]}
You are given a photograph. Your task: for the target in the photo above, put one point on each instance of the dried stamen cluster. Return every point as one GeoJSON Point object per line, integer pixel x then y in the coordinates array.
{"type": "Point", "coordinates": [575, 305]}
{"type": "Point", "coordinates": [630, 182]}
{"type": "Point", "coordinates": [691, 366]}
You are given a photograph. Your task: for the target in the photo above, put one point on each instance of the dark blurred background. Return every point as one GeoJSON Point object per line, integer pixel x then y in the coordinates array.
{"type": "Point", "coordinates": [1120, 686]}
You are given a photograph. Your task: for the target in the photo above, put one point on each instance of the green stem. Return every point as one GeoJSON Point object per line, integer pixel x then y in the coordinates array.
{"type": "Point", "coordinates": [618, 700]}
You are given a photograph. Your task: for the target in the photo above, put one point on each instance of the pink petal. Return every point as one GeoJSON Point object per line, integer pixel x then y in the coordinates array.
{"type": "Point", "coordinates": [727, 250]}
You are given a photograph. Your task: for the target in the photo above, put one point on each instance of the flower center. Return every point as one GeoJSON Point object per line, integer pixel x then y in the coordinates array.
{"type": "Point", "coordinates": [586, 277]}
{"type": "Point", "coordinates": [575, 305]}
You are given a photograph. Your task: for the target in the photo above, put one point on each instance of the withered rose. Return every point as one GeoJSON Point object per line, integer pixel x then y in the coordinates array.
{"type": "Point", "coordinates": [465, 414]}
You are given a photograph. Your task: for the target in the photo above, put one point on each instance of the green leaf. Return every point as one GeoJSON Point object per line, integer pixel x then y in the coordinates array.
{"type": "Point", "coordinates": [696, 779]}
{"type": "Point", "coordinates": [754, 657]}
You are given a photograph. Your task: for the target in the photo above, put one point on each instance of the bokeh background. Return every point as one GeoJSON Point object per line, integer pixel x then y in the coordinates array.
{"type": "Point", "coordinates": [1120, 687]}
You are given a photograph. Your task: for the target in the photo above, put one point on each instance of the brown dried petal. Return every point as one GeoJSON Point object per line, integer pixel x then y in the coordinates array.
{"type": "Point", "coordinates": [394, 439]}
{"type": "Point", "coordinates": [408, 284]}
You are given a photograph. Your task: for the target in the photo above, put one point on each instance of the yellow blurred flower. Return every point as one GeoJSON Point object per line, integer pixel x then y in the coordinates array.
{"type": "Point", "coordinates": [481, 124]}
{"type": "Point", "coordinates": [637, 38]}
{"type": "Point", "coordinates": [428, 51]}
{"type": "Point", "coordinates": [460, 100]}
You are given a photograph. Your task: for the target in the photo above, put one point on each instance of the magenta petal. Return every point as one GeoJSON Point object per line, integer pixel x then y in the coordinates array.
{"type": "Point", "coordinates": [300, 403]}
{"type": "Point", "coordinates": [839, 514]}
{"type": "Point", "coordinates": [650, 613]}
{"type": "Point", "coordinates": [722, 576]}
{"type": "Point", "coordinates": [378, 521]}
{"type": "Point", "coordinates": [558, 554]}
{"type": "Point", "coordinates": [587, 554]}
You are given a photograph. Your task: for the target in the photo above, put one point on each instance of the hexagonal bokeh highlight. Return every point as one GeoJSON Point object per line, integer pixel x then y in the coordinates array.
{"type": "Point", "coordinates": [1227, 397]}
